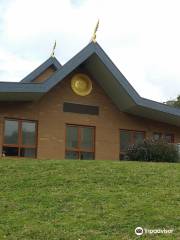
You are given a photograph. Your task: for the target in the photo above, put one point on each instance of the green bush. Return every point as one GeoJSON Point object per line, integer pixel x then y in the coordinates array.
{"type": "Point", "coordinates": [152, 150]}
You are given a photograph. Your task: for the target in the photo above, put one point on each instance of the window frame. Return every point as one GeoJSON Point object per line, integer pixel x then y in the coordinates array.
{"type": "Point", "coordinates": [133, 137]}
{"type": "Point", "coordinates": [19, 145]}
{"type": "Point", "coordinates": [79, 150]}
{"type": "Point", "coordinates": [169, 135]}
{"type": "Point", "coordinates": [163, 136]}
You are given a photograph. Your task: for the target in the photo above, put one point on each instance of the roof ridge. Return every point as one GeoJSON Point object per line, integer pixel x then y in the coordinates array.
{"type": "Point", "coordinates": [109, 77]}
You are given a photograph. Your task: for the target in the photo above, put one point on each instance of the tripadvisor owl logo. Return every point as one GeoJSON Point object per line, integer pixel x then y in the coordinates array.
{"type": "Point", "coordinates": [139, 231]}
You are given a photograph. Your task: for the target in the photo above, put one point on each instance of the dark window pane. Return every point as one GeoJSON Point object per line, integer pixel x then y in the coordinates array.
{"type": "Point", "coordinates": [169, 138]}
{"type": "Point", "coordinates": [11, 132]}
{"type": "Point", "coordinates": [28, 133]}
{"type": "Point", "coordinates": [86, 155]}
{"type": "Point", "coordinates": [28, 152]}
{"type": "Point", "coordinates": [72, 155]}
{"type": "Point", "coordinates": [72, 137]}
{"type": "Point", "coordinates": [125, 139]}
{"type": "Point", "coordinates": [87, 138]}
{"type": "Point", "coordinates": [10, 151]}
{"type": "Point", "coordinates": [139, 137]}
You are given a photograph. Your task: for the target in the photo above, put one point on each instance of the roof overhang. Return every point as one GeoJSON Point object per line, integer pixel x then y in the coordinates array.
{"type": "Point", "coordinates": [124, 95]}
{"type": "Point", "coordinates": [11, 91]}
{"type": "Point", "coordinates": [102, 69]}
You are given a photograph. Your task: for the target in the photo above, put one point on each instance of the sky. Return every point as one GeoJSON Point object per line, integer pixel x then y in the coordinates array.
{"type": "Point", "coordinates": [141, 37]}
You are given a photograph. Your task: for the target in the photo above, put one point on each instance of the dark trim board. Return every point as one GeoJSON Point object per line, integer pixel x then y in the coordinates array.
{"type": "Point", "coordinates": [80, 108]}
{"type": "Point", "coordinates": [95, 60]}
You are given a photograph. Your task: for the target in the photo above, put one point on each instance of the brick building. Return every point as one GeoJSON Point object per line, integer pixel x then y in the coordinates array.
{"type": "Point", "coordinates": [85, 109]}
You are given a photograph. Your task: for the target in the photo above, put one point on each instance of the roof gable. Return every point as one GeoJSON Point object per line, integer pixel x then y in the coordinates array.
{"type": "Point", "coordinates": [99, 65]}
{"type": "Point", "coordinates": [51, 62]}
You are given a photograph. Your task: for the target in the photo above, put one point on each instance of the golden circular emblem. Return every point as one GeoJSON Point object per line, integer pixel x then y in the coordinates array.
{"type": "Point", "coordinates": [81, 84]}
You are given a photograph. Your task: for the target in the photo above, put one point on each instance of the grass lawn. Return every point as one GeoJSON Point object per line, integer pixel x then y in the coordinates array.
{"type": "Point", "coordinates": [87, 200]}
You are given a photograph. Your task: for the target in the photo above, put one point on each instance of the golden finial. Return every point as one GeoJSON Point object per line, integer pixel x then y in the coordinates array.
{"type": "Point", "coordinates": [53, 50]}
{"type": "Point", "coordinates": [95, 31]}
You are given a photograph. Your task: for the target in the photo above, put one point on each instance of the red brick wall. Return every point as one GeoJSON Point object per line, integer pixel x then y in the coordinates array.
{"type": "Point", "coordinates": [51, 121]}
{"type": "Point", "coordinates": [45, 75]}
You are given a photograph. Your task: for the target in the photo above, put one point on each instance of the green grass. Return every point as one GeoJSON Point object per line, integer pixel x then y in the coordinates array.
{"type": "Point", "coordinates": [87, 200]}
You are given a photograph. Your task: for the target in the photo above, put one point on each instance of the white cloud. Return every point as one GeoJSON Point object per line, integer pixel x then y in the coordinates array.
{"type": "Point", "coordinates": [141, 37]}
{"type": "Point", "coordinates": [14, 67]}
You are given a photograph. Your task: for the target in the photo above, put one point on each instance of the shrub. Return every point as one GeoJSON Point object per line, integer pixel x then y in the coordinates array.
{"type": "Point", "coordinates": [154, 151]}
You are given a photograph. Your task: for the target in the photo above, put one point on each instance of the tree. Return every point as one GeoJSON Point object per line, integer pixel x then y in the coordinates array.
{"type": "Point", "coordinates": [174, 103]}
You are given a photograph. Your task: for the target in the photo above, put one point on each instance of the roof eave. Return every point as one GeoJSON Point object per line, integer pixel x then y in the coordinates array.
{"type": "Point", "coordinates": [132, 102]}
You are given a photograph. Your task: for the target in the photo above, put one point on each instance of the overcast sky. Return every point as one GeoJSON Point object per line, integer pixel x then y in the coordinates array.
{"type": "Point", "coordinates": [141, 37]}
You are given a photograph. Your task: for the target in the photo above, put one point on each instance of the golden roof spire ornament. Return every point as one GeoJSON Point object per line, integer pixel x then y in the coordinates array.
{"type": "Point", "coordinates": [53, 50]}
{"type": "Point", "coordinates": [95, 31]}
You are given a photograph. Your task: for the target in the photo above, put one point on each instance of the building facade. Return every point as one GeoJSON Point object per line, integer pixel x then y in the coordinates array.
{"type": "Point", "coordinates": [85, 109]}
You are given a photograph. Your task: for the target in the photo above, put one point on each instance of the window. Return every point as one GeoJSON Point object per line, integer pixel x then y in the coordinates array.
{"type": "Point", "coordinates": [157, 135]}
{"type": "Point", "coordinates": [169, 137]}
{"type": "Point", "coordinates": [79, 142]}
{"type": "Point", "coordinates": [11, 132]}
{"type": "Point", "coordinates": [20, 138]}
{"type": "Point", "coordinates": [129, 137]}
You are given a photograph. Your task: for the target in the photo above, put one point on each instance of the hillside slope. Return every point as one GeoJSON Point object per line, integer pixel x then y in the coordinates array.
{"type": "Point", "coordinates": [87, 200]}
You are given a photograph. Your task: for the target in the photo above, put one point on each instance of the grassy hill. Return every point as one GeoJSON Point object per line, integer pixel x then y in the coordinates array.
{"type": "Point", "coordinates": [87, 200]}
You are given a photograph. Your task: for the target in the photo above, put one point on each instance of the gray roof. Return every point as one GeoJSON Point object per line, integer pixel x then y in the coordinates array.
{"type": "Point", "coordinates": [102, 69]}
{"type": "Point", "coordinates": [50, 62]}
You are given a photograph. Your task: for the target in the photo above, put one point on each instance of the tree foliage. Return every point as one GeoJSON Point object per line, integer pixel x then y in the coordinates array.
{"type": "Point", "coordinates": [174, 103]}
